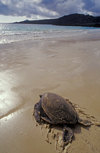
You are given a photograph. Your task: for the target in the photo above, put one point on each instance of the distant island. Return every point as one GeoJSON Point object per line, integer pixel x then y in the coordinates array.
{"type": "Point", "coordinates": [68, 20]}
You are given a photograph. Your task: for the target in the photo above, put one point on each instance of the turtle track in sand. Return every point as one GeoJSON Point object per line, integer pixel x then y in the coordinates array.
{"type": "Point", "coordinates": [53, 133]}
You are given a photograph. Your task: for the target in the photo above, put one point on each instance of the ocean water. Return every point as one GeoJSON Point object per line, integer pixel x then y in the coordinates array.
{"type": "Point", "coordinates": [19, 32]}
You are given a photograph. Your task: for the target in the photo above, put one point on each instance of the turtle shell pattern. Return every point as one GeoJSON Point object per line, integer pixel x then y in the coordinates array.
{"type": "Point", "coordinates": [58, 109]}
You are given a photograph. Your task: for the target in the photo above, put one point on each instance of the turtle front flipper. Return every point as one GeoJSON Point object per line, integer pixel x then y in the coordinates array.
{"type": "Point", "coordinates": [84, 122]}
{"type": "Point", "coordinates": [36, 112]}
{"type": "Point", "coordinates": [67, 135]}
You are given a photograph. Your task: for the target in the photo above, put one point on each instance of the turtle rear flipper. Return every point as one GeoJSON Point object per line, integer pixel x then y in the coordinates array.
{"type": "Point", "coordinates": [85, 122]}
{"type": "Point", "coordinates": [67, 136]}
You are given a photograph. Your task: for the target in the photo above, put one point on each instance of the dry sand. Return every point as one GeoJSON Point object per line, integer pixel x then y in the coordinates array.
{"type": "Point", "coordinates": [70, 68]}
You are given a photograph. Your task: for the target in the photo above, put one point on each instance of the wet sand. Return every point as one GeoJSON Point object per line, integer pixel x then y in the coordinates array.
{"type": "Point", "coordinates": [70, 68]}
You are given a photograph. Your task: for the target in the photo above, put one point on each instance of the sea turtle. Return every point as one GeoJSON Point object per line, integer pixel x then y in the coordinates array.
{"type": "Point", "coordinates": [56, 110]}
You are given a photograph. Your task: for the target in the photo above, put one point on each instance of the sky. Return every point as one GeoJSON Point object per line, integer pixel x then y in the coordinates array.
{"type": "Point", "coordinates": [18, 10]}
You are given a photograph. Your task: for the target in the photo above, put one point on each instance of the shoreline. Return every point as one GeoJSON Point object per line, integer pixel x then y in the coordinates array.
{"type": "Point", "coordinates": [36, 33]}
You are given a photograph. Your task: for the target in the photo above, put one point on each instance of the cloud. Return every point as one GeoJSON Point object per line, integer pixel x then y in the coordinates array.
{"type": "Point", "coordinates": [63, 7]}
{"type": "Point", "coordinates": [48, 8]}
{"type": "Point", "coordinates": [28, 8]}
{"type": "Point", "coordinates": [96, 7]}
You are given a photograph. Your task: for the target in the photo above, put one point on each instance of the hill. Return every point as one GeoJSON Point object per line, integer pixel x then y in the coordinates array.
{"type": "Point", "coordinates": [69, 20]}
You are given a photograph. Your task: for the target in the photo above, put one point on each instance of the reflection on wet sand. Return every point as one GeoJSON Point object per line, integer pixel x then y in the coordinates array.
{"type": "Point", "coordinates": [28, 69]}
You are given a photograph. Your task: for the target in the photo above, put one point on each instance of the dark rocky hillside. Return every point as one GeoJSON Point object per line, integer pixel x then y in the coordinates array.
{"type": "Point", "coordinates": [69, 20]}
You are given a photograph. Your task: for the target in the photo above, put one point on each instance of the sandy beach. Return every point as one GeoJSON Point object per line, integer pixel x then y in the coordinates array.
{"type": "Point", "coordinates": [68, 67]}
